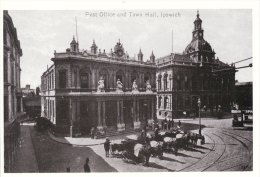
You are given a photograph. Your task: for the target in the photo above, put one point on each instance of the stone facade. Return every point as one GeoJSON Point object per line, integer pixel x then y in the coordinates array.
{"type": "Point", "coordinates": [13, 108]}
{"type": "Point", "coordinates": [71, 98]}
{"type": "Point", "coordinates": [196, 73]}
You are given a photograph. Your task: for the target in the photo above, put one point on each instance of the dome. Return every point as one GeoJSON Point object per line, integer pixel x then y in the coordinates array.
{"type": "Point", "coordinates": [198, 45]}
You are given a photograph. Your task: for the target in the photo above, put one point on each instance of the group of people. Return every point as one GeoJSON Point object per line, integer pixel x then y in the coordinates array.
{"type": "Point", "coordinates": [168, 124]}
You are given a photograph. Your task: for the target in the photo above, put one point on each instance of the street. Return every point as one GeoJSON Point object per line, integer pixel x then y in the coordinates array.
{"type": "Point", "coordinates": [226, 149]}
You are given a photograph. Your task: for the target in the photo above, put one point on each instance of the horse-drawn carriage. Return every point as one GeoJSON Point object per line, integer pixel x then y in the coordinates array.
{"type": "Point", "coordinates": [137, 150]}
{"type": "Point", "coordinates": [174, 140]}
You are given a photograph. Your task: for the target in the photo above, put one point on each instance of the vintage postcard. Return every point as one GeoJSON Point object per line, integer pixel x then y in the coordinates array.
{"type": "Point", "coordinates": [128, 90]}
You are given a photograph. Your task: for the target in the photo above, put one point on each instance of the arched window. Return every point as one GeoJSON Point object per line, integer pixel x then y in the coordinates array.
{"type": "Point", "coordinates": [165, 82]}
{"type": "Point", "coordinates": [105, 75]}
{"type": "Point", "coordinates": [84, 80]}
{"type": "Point", "coordinates": [159, 102]}
{"type": "Point", "coordinates": [159, 82]}
{"type": "Point", "coordinates": [134, 76]}
{"type": "Point", "coordinates": [121, 76]}
{"type": "Point", "coordinates": [165, 102]}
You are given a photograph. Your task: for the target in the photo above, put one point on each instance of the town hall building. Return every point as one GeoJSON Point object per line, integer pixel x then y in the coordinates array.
{"type": "Point", "coordinates": [196, 74]}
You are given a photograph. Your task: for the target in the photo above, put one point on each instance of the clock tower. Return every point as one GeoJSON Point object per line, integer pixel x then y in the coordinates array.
{"type": "Point", "coordinates": [198, 31]}
{"type": "Point", "coordinates": [119, 50]}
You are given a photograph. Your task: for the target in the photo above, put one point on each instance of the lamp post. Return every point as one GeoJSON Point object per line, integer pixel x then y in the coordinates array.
{"type": "Point", "coordinates": [199, 103]}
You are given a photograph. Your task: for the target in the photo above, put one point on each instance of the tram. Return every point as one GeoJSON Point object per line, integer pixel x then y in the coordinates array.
{"type": "Point", "coordinates": [242, 118]}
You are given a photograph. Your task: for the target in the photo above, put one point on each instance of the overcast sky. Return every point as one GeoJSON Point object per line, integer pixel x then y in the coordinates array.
{"type": "Point", "coordinates": [41, 32]}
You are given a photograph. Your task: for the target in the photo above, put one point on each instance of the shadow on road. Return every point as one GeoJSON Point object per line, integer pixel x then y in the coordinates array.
{"type": "Point", "coordinates": [172, 160]}
{"type": "Point", "coordinates": [154, 165]}
{"type": "Point", "coordinates": [185, 155]}
{"type": "Point", "coordinates": [202, 147]}
{"type": "Point", "coordinates": [194, 150]}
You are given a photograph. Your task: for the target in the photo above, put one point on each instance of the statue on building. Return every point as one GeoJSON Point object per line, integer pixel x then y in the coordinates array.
{"type": "Point", "coordinates": [148, 86]}
{"type": "Point", "coordinates": [101, 85]}
{"type": "Point", "coordinates": [134, 87]}
{"type": "Point", "coordinates": [119, 85]}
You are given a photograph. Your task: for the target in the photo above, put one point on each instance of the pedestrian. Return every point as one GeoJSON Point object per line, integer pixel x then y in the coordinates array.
{"type": "Point", "coordinates": [68, 169]}
{"type": "Point", "coordinates": [172, 123]}
{"type": "Point", "coordinates": [86, 166]}
{"type": "Point", "coordinates": [165, 124]}
{"type": "Point", "coordinates": [92, 132]}
{"type": "Point", "coordinates": [107, 147]}
{"type": "Point", "coordinates": [169, 124]}
{"type": "Point", "coordinates": [162, 123]}
{"type": "Point", "coordinates": [179, 123]}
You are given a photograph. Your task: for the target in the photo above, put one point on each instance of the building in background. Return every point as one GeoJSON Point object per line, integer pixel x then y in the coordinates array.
{"type": "Point", "coordinates": [111, 92]}
{"type": "Point", "coordinates": [13, 104]}
{"type": "Point", "coordinates": [27, 91]}
{"type": "Point", "coordinates": [195, 73]}
{"type": "Point", "coordinates": [244, 95]}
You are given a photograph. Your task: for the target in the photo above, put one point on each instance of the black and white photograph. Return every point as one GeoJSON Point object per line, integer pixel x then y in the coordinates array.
{"type": "Point", "coordinates": [128, 90]}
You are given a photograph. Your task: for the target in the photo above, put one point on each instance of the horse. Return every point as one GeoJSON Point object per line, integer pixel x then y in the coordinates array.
{"type": "Point", "coordinates": [141, 154]}
{"type": "Point", "coordinates": [157, 149]}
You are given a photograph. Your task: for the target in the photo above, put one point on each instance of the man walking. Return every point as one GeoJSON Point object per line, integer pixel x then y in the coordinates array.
{"type": "Point", "coordinates": [86, 166]}
{"type": "Point", "coordinates": [107, 146]}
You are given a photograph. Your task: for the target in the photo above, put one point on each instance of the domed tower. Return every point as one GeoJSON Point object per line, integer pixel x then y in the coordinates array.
{"type": "Point", "coordinates": [152, 58]}
{"type": "Point", "coordinates": [94, 48]}
{"type": "Point", "coordinates": [74, 46]}
{"type": "Point", "coordinates": [140, 55]}
{"type": "Point", "coordinates": [198, 31]}
{"type": "Point", "coordinates": [199, 49]}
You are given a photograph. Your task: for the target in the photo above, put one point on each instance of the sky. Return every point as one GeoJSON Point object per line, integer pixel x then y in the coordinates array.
{"type": "Point", "coordinates": [229, 33]}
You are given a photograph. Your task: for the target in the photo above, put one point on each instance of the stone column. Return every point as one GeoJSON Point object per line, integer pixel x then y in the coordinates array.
{"type": "Point", "coordinates": [71, 118]}
{"type": "Point", "coordinates": [104, 113]}
{"type": "Point", "coordinates": [99, 115]}
{"type": "Point", "coordinates": [21, 102]}
{"type": "Point", "coordinates": [120, 124]}
{"type": "Point", "coordinates": [138, 111]}
{"type": "Point", "coordinates": [152, 106]}
{"type": "Point", "coordinates": [118, 111]}
{"type": "Point", "coordinates": [137, 123]}
{"type": "Point", "coordinates": [93, 79]}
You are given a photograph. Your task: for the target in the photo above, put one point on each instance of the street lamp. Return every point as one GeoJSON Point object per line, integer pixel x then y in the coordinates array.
{"type": "Point", "coordinates": [199, 103]}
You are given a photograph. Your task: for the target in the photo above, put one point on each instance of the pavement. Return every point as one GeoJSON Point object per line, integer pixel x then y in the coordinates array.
{"type": "Point", "coordinates": [77, 141]}
{"type": "Point", "coordinates": [26, 161]}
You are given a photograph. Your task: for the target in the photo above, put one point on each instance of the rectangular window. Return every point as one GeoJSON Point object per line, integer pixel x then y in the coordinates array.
{"type": "Point", "coordinates": [62, 79]}
{"type": "Point", "coordinates": [6, 108]}
{"type": "Point", "coordinates": [75, 78]}
{"type": "Point", "coordinates": [52, 80]}
{"type": "Point", "coordinates": [5, 69]}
